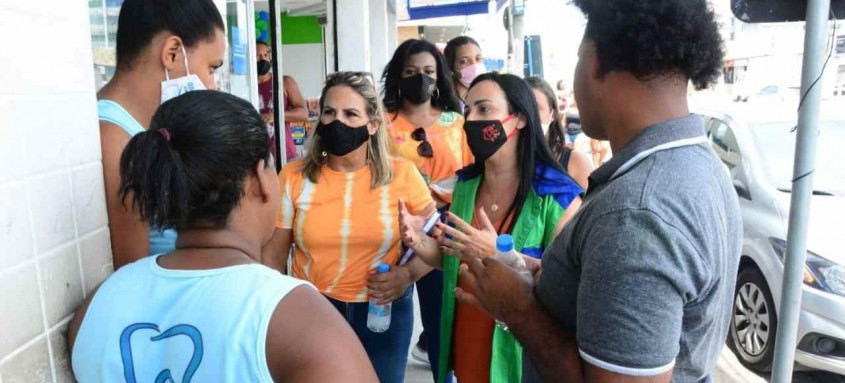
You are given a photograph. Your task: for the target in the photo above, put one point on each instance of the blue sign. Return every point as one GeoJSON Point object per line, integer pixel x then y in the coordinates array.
{"type": "Point", "coordinates": [299, 134]}
{"type": "Point", "coordinates": [494, 65]}
{"type": "Point", "coordinates": [450, 8]}
{"type": "Point", "coordinates": [239, 51]}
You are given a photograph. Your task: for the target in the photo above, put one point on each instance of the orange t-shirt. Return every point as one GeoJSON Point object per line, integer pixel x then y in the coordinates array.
{"type": "Point", "coordinates": [342, 228]}
{"type": "Point", "coordinates": [449, 148]}
{"type": "Point", "coordinates": [473, 334]}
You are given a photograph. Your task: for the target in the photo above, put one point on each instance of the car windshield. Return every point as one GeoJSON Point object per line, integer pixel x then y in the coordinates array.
{"type": "Point", "coordinates": [776, 145]}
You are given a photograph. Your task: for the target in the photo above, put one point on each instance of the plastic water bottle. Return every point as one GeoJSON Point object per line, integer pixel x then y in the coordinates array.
{"type": "Point", "coordinates": [508, 255]}
{"type": "Point", "coordinates": [378, 317]}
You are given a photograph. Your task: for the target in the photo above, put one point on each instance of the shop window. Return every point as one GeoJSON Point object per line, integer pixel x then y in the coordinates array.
{"type": "Point", "coordinates": [103, 18]}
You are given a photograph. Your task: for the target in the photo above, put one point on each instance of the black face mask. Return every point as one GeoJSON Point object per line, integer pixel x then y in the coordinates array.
{"type": "Point", "coordinates": [417, 88]}
{"type": "Point", "coordinates": [486, 137]}
{"type": "Point", "coordinates": [264, 67]}
{"type": "Point", "coordinates": [340, 139]}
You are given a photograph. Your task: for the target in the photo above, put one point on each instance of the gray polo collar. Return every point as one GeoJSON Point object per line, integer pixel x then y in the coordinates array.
{"type": "Point", "coordinates": [687, 127]}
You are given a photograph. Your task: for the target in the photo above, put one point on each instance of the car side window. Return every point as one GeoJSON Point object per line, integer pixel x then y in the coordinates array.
{"type": "Point", "coordinates": [724, 143]}
{"type": "Point", "coordinates": [710, 124]}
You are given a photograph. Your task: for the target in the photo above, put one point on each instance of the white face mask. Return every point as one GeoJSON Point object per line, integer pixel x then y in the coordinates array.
{"type": "Point", "coordinates": [546, 125]}
{"type": "Point", "coordinates": [178, 86]}
{"type": "Point", "coordinates": [546, 128]}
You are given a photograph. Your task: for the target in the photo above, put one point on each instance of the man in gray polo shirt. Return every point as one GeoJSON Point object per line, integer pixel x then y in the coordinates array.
{"type": "Point", "coordinates": [639, 284]}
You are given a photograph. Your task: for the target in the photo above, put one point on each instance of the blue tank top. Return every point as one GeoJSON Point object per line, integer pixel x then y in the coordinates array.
{"type": "Point", "coordinates": [150, 324]}
{"type": "Point", "coordinates": [110, 111]}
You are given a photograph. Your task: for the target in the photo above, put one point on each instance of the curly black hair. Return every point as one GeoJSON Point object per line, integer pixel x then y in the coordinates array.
{"type": "Point", "coordinates": [655, 38]}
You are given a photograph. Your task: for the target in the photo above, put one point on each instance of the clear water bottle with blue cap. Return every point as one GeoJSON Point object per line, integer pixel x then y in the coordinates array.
{"type": "Point", "coordinates": [507, 253]}
{"type": "Point", "coordinates": [378, 318]}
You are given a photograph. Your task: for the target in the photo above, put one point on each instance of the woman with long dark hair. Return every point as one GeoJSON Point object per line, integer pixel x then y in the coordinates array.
{"type": "Point", "coordinates": [516, 187]}
{"type": "Point", "coordinates": [465, 61]}
{"type": "Point", "coordinates": [576, 164]}
{"type": "Point", "coordinates": [427, 128]}
{"type": "Point", "coordinates": [424, 115]}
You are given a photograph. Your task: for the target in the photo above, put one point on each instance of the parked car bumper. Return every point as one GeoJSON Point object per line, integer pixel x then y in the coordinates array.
{"type": "Point", "coordinates": [822, 315]}
{"type": "Point", "coordinates": [834, 365]}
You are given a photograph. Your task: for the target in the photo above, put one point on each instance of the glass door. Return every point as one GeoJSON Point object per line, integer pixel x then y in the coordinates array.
{"type": "Point", "coordinates": [237, 76]}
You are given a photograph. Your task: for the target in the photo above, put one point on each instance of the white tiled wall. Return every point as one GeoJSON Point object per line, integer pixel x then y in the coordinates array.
{"type": "Point", "coordinates": [54, 240]}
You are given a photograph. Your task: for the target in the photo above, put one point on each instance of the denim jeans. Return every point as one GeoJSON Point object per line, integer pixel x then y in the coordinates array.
{"type": "Point", "coordinates": [388, 351]}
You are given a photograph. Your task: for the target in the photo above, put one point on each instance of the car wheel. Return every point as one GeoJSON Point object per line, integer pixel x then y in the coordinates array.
{"type": "Point", "coordinates": [753, 321]}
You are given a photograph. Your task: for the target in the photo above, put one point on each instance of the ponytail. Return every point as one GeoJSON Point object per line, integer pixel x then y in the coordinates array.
{"type": "Point", "coordinates": [152, 175]}
{"type": "Point", "coordinates": [189, 169]}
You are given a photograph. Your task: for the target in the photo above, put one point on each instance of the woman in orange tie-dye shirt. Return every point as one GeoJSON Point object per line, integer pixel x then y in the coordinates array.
{"type": "Point", "coordinates": [340, 206]}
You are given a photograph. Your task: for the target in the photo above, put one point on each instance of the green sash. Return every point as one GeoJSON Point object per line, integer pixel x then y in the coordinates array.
{"type": "Point", "coordinates": [532, 232]}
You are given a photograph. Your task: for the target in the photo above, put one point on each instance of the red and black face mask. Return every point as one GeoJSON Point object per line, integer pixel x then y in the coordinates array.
{"type": "Point", "coordinates": [486, 137]}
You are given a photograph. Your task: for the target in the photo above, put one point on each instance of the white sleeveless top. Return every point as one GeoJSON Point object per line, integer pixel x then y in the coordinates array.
{"type": "Point", "coordinates": [150, 324]}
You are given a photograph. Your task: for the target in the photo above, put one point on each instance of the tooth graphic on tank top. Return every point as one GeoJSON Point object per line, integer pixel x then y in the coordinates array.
{"type": "Point", "coordinates": [146, 335]}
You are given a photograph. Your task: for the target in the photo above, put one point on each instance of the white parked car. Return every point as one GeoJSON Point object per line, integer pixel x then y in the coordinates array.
{"type": "Point", "coordinates": [757, 148]}
{"type": "Point", "coordinates": [766, 93]}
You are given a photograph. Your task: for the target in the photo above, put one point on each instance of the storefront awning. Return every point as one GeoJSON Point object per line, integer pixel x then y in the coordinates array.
{"type": "Point", "coordinates": [428, 9]}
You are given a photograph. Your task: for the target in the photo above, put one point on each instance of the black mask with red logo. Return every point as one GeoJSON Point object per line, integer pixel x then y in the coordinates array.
{"type": "Point", "coordinates": [486, 137]}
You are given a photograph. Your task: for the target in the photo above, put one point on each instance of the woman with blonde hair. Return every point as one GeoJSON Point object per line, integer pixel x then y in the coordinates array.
{"type": "Point", "coordinates": [340, 206]}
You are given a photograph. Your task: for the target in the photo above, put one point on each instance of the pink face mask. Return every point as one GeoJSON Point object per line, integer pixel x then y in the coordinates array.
{"type": "Point", "coordinates": [469, 73]}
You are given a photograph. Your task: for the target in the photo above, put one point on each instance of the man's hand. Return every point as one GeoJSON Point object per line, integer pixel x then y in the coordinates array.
{"type": "Point", "coordinates": [508, 296]}
{"type": "Point", "coordinates": [499, 290]}
{"type": "Point", "coordinates": [534, 267]}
